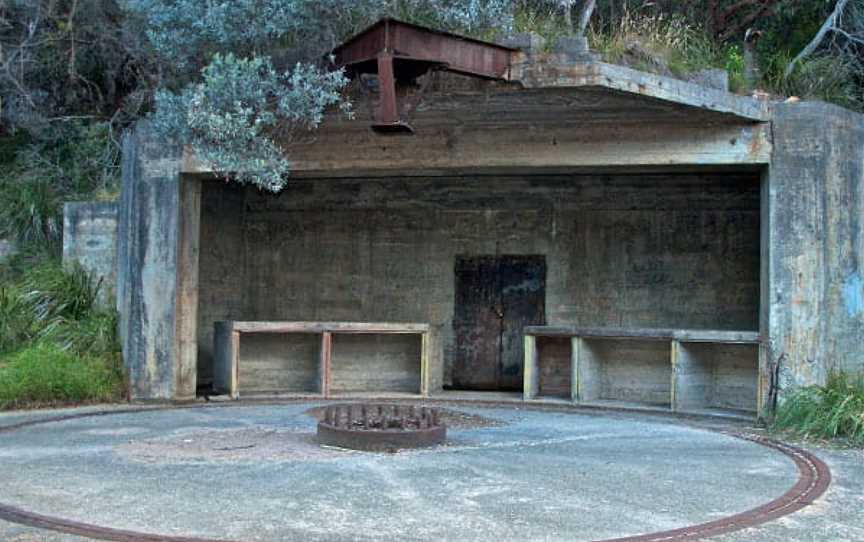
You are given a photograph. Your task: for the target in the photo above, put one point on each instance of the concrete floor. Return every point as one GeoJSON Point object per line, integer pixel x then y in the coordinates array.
{"type": "Point", "coordinates": [542, 476]}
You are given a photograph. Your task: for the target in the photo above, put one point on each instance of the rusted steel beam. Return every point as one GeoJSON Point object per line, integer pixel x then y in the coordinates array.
{"type": "Point", "coordinates": [412, 42]}
{"type": "Point", "coordinates": [388, 109]}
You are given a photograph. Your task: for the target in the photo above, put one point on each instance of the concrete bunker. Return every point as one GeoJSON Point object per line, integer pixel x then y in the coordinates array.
{"type": "Point", "coordinates": [636, 240]}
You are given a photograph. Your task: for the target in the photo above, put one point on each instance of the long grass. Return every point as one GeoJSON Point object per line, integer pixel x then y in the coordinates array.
{"type": "Point", "coordinates": [45, 374]}
{"type": "Point", "coordinates": [58, 345]}
{"type": "Point", "coordinates": [660, 43]}
{"type": "Point", "coordinates": [832, 411]}
{"type": "Point", "coordinates": [826, 78]}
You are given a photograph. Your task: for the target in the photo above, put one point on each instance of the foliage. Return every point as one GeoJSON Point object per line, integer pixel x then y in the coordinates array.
{"type": "Point", "coordinates": [46, 374]}
{"type": "Point", "coordinates": [54, 292]}
{"type": "Point", "coordinates": [66, 59]}
{"type": "Point", "coordinates": [659, 43]}
{"type": "Point", "coordinates": [73, 160]}
{"type": "Point", "coordinates": [822, 77]}
{"type": "Point", "coordinates": [832, 411]}
{"type": "Point", "coordinates": [53, 312]}
{"type": "Point", "coordinates": [17, 322]}
{"type": "Point", "coordinates": [478, 18]}
{"type": "Point", "coordinates": [230, 117]}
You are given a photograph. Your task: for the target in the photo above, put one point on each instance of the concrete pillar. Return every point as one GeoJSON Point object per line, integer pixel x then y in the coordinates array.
{"type": "Point", "coordinates": [157, 268]}
{"type": "Point", "coordinates": [815, 240]}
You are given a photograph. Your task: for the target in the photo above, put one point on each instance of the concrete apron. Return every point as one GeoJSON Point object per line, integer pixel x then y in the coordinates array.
{"type": "Point", "coordinates": [536, 475]}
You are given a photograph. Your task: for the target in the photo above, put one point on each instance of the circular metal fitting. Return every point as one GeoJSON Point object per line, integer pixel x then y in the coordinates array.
{"type": "Point", "coordinates": [380, 427]}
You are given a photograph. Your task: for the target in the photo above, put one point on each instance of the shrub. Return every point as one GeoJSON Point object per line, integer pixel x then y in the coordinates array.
{"type": "Point", "coordinates": [46, 374]}
{"type": "Point", "coordinates": [17, 325]}
{"type": "Point", "coordinates": [659, 43]}
{"type": "Point", "coordinates": [827, 78]}
{"type": "Point", "coordinates": [68, 162]}
{"type": "Point", "coordinates": [59, 346]}
{"type": "Point", "coordinates": [832, 411]}
{"type": "Point", "coordinates": [56, 292]}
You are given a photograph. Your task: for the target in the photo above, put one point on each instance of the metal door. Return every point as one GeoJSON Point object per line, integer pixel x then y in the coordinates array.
{"type": "Point", "coordinates": [496, 296]}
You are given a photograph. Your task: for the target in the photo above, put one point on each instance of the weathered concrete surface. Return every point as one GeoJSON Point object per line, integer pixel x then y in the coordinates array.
{"type": "Point", "coordinates": [815, 242]}
{"type": "Point", "coordinates": [610, 77]}
{"type": "Point", "coordinates": [7, 249]}
{"type": "Point", "coordinates": [149, 263]}
{"type": "Point", "coordinates": [90, 238]}
{"type": "Point", "coordinates": [273, 362]}
{"type": "Point", "coordinates": [675, 250]}
{"type": "Point", "coordinates": [507, 128]}
{"type": "Point", "coordinates": [543, 476]}
{"type": "Point", "coordinates": [376, 363]}
{"type": "Point", "coordinates": [836, 516]}
{"type": "Point", "coordinates": [721, 376]}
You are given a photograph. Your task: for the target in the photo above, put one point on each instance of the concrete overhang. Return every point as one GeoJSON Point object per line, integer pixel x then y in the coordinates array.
{"type": "Point", "coordinates": [618, 80]}
{"type": "Point", "coordinates": [537, 112]}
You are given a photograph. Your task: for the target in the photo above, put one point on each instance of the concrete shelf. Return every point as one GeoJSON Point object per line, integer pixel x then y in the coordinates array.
{"type": "Point", "coordinates": [555, 364]}
{"type": "Point", "coordinates": [320, 358]}
{"type": "Point", "coordinates": [715, 376]}
{"type": "Point", "coordinates": [690, 371]}
{"type": "Point", "coordinates": [635, 371]}
{"type": "Point", "coordinates": [280, 363]}
{"type": "Point", "coordinates": [375, 363]}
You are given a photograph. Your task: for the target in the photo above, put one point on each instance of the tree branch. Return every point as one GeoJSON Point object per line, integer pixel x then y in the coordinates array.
{"type": "Point", "coordinates": [588, 7]}
{"type": "Point", "coordinates": [829, 25]}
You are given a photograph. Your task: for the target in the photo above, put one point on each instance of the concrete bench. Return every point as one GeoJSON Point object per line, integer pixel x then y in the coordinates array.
{"type": "Point", "coordinates": [684, 370]}
{"type": "Point", "coordinates": [314, 372]}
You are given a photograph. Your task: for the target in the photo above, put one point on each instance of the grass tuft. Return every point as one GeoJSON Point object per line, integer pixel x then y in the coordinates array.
{"type": "Point", "coordinates": [45, 374]}
{"type": "Point", "coordinates": [832, 411]}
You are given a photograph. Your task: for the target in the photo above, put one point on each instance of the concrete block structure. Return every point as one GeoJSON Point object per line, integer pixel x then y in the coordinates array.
{"type": "Point", "coordinates": [90, 238]}
{"type": "Point", "coordinates": [666, 244]}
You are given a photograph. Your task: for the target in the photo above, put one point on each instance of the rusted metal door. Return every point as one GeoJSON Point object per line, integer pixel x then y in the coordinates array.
{"type": "Point", "coordinates": [496, 296]}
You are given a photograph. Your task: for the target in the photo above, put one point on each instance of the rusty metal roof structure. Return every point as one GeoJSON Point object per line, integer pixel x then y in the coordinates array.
{"type": "Point", "coordinates": [413, 46]}
{"type": "Point", "coordinates": [399, 51]}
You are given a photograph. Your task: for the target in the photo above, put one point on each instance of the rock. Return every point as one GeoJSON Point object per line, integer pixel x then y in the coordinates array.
{"type": "Point", "coordinates": [712, 78]}
{"type": "Point", "coordinates": [575, 48]}
{"type": "Point", "coordinates": [7, 249]}
{"type": "Point", "coordinates": [528, 42]}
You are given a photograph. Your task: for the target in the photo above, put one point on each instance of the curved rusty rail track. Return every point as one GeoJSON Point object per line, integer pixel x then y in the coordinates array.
{"type": "Point", "coordinates": [814, 478]}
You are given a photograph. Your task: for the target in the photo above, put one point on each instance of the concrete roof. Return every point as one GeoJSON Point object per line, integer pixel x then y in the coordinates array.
{"type": "Point", "coordinates": [649, 87]}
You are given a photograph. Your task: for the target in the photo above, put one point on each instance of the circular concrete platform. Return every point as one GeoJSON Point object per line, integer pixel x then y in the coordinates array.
{"type": "Point", "coordinates": [255, 473]}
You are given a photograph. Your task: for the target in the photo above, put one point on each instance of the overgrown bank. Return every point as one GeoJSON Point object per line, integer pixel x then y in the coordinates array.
{"type": "Point", "coordinates": [58, 345]}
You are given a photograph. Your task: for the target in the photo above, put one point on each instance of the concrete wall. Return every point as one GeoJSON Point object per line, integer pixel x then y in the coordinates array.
{"type": "Point", "coordinates": [815, 243]}
{"type": "Point", "coordinates": [622, 250]}
{"type": "Point", "coordinates": [90, 238]}
{"type": "Point", "coordinates": [156, 281]}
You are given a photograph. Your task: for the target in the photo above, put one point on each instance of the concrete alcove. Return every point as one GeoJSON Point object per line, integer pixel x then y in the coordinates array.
{"type": "Point", "coordinates": [685, 231]}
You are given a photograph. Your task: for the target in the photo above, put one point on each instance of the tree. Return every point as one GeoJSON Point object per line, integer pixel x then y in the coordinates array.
{"type": "Point", "coordinates": [848, 34]}
{"type": "Point", "coordinates": [732, 18]}
{"type": "Point", "coordinates": [585, 13]}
